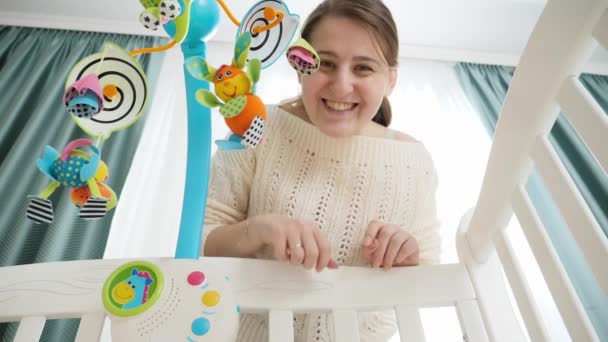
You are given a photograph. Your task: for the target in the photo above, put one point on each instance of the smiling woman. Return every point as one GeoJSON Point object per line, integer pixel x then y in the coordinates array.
{"type": "Point", "coordinates": [353, 191]}
{"type": "Point", "coordinates": [354, 79]}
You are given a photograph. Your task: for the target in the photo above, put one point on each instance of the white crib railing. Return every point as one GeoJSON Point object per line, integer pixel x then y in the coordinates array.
{"type": "Point", "coordinates": [34, 293]}
{"type": "Point", "coordinates": [544, 82]}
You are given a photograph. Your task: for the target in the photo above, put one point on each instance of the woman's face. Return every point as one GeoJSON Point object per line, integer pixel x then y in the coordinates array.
{"type": "Point", "coordinates": [342, 97]}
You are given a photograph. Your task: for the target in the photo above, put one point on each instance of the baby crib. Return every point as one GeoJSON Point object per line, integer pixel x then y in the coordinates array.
{"type": "Point", "coordinates": [545, 82]}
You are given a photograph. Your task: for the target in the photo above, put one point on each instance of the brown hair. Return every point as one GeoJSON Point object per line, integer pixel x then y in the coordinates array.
{"type": "Point", "coordinates": [377, 19]}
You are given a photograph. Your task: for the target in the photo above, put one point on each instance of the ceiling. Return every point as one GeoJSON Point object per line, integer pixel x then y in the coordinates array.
{"type": "Point", "coordinates": [495, 28]}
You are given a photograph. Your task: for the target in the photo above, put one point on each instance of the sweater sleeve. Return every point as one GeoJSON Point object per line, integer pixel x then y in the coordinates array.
{"type": "Point", "coordinates": [230, 179]}
{"type": "Point", "coordinates": [426, 224]}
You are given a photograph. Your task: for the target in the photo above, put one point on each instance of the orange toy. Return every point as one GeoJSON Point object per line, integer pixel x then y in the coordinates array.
{"type": "Point", "coordinates": [234, 91]}
{"type": "Point", "coordinates": [254, 107]}
{"type": "Point", "coordinates": [80, 195]}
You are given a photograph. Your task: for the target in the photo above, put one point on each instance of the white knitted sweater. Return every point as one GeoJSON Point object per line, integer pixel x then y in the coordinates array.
{"type": "Point", "coordinates": [341, 185]}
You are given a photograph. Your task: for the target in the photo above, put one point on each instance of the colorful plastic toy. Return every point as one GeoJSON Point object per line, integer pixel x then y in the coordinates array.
{"type": "Point", "coordinates": [272, 28]}
{"type": "Point", "coordinates": [157, 12]}
{"type": "Point", "coordinates": [303, 57]}
{"type": "Point", "coordinates": [106, 92]}
{"type": "Point", "coordinates": [243, 111]}
{"type": "Point", "coordinates": [84, 98]}
{"type": "Point", "coordinates": [80, 196]}
{"type": "Point", "coordinates": [76, 167]}
{"type": "Point", "coordinates": [170, 301]}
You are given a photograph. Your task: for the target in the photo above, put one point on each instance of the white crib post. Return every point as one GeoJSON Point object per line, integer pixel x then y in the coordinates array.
{"type": "Point", "coordinates": [346, 325]}
{"type": "Point", "coordinates": [410, 325]}
{"type": "Point", "coordinates": [471, 322]}
{"type": "Point", "coordinates": [90, 327]}
{"type": "Point", "coordinates": [569, 305]}
{"type": "Point", "coordinates": [489, 283]}
{"type": "Point", "coordinates": [30, 329]}
{"type": "Point", "coordinates": [280, 325]}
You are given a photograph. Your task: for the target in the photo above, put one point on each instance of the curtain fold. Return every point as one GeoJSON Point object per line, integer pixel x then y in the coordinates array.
{"type": "Point", "coordinates": [34, 65]}
{"type": "Point", "coordinates": [486, 86]}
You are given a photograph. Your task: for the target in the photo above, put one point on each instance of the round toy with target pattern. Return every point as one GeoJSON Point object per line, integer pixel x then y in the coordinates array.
{"type": "Point", "coordinates": [106, 91]}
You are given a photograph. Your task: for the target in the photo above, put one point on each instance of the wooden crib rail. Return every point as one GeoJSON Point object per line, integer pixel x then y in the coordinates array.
{"type": "Point", "coordinates": [586, 116]}
{"type": "Point", "coordinates": [560, 45]}
{"type": "Point", "coordinates": [545, 83]}
{"type": "Point", "coordinates": [601, 31]}
{"type": "Point", "coordinates": [34, 293]}
{"type": "Point", "coordinates": [565, 297]}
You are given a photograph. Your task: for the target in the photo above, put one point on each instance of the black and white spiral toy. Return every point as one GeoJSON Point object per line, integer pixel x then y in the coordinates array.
{"type": "Point", "coordinates": [269, 45]}
{"type": "Point", "coordinates": [115, 67]}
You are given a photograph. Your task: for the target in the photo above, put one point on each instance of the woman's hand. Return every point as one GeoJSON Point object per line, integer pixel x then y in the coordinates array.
{"type": "Point", "coordinates": [388, 245]}
{"type": "Point", "coordinates": [296, 241]}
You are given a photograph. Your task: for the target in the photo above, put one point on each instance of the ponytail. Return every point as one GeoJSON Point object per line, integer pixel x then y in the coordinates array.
{"type": "Point", "coordinates": [384, 115]}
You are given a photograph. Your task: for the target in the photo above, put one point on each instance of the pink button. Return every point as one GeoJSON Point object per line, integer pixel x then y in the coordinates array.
{"type": "Point", "coordinates": [196, 278]}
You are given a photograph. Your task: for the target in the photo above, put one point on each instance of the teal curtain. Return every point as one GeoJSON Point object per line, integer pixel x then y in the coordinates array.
{"type": "Point", "coordinates": [486, 87]}
{"type": "Point", "coordinates": [34, 64]}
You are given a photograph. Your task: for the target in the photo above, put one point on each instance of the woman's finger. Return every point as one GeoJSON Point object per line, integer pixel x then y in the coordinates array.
{"type": "Point", "coordinates": [294, 244]}
{"type": "Point", "coordinates": [384, 236]}
{"type": "Point", "coordinates": [371, 232]}
{"type": "Point", "coordinates": [324, 250]}
{"type": "Point", "coordinates": [394, 246]}
{"type": "Point", "coordinates": [368, 252]}
{"type": "Point", "coordinates": [311, 250]}
{"type": "Point", "coordinates": [279, 245]}
{"type": "Point", "coordinates": [408, 254]}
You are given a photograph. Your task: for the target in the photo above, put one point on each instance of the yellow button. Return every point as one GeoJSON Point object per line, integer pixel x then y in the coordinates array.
{"type": "Point", "coordinates": [211, 298]}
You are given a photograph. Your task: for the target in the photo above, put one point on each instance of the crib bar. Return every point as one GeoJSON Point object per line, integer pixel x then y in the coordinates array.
{"type": "Point", "coordinates": [530, 108]}
{"type": "Point", "coordinates": [497, 311]}
{"type": "Point", "coordinates": [280, 325]}
{"type": "Point", "coordinates": [470, 321]}
{"type": "Point", "coordinates": [90, 327]}
{"type": "Point", "coordinates": [586, 115]}
{"type": "Point", "coordinates": [521, 291]}
{"type": "Point", "coordinates": [410, 324]}
{"type": "Point", "coordinates": [578, 216]}
{"type": "Point", "coordinates": [561, 289]}
{"type": "Point", "coordinates": [30, 329]}
{"type": "Point", "coordinates": [601, 30]}
{"type": "Point", "coordinates": [346, 325]}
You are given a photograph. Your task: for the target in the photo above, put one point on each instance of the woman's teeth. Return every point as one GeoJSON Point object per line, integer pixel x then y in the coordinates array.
{"type": "Point", "coordinates": [339, 106]}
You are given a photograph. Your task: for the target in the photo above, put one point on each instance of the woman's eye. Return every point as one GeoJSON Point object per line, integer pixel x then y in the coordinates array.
{"type": "Point", "coordinates": [326, 64]}
{"type": "Point", "coordinates": [364, 68]}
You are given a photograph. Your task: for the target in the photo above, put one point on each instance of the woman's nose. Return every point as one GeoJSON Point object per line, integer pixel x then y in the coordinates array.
{"type": "Point", "coordinates": [342, 82]}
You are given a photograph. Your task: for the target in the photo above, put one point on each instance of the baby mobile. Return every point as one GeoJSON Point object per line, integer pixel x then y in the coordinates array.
{"type": "Point", "coordinates": [106, 92]}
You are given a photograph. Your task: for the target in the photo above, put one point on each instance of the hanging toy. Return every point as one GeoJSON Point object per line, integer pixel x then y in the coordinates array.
{"type": "Point", "coordinates": [157, 12]}
{"type": "Point", "coordinates": [84, 98]}
{"type": "Point", "coordinates": [303, 57]}
{"type": "Point", "coordinates": [272, 27]}
{"type": "Point", "coordinates": [77, 167]}
{"type": "Point", "coordinates": [243, 111]}
{"type": "Point", "coordinates": [80, 196]}
{"type": "Point", "coordinates": [106, 91]}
